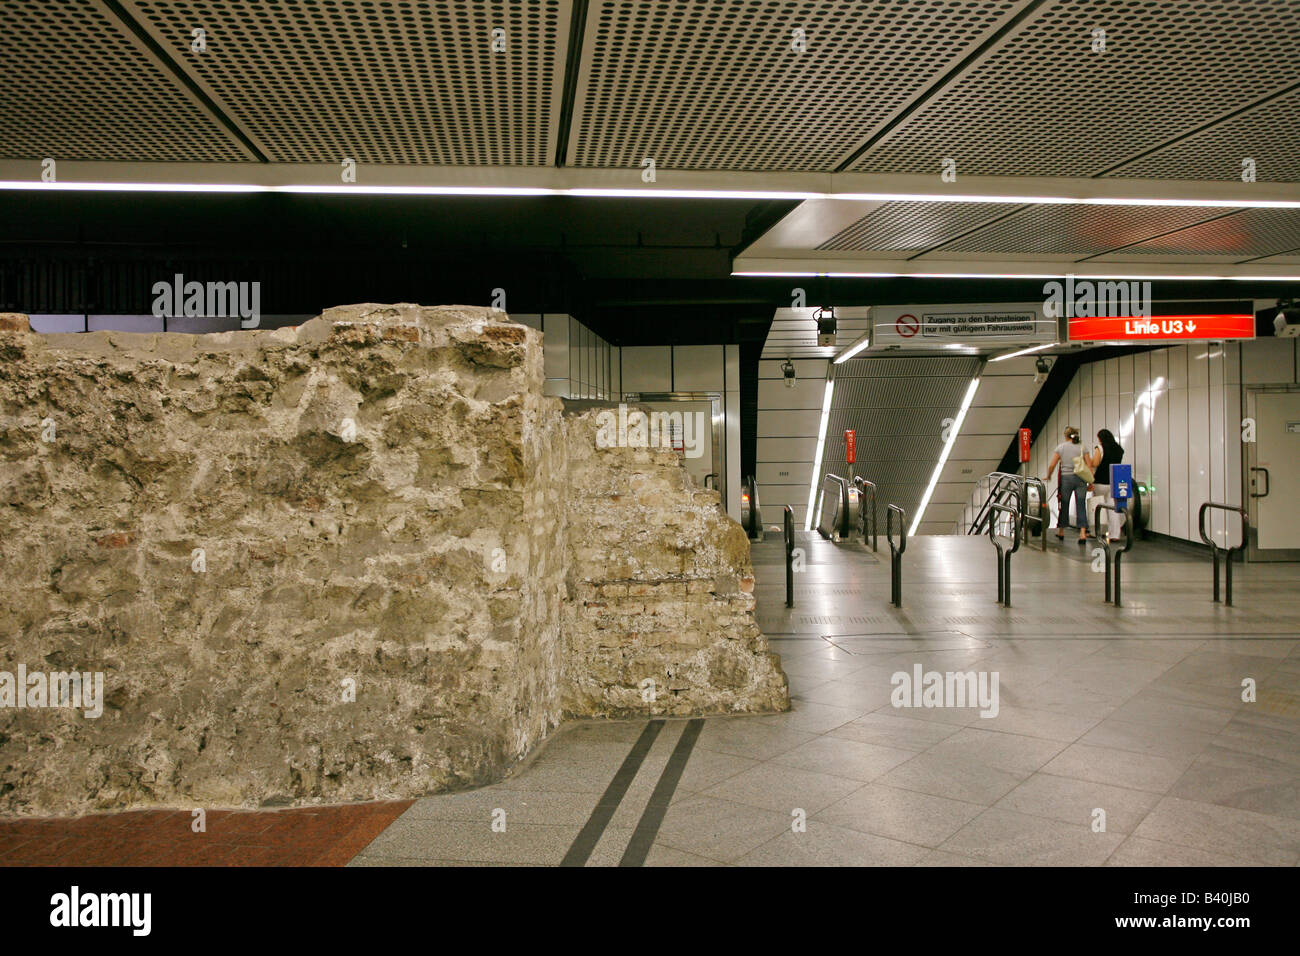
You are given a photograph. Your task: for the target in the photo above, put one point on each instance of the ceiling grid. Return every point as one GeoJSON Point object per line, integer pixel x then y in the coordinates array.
{"type": "Point", "coordinates": [1041, 102]}
{"type": "Point", "coordinates": [717, 84]}
{"type": "Point", "coordinates": [384, 81]}
{"type": "Point", "coordinates": [76, 85]}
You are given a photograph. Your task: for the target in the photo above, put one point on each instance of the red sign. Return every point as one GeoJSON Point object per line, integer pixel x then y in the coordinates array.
{"type": "Point", "coordinates": [850, 446]}
{"type": "Point", "coordinates": [1026, 437]}
{"type": "Point", "coordinates": [907, 326]}
{"type": "Point", "coordinates": [1130, 328]}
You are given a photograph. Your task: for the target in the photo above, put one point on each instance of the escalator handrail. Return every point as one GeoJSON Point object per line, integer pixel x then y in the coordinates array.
{"type": "Point", "coordinates": [982, 516]}
{"type": "Point", "coordinates": [841, 509]}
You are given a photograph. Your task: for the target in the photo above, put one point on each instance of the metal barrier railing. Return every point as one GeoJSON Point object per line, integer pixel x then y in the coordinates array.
{"type": "Point", "coordinates": [896, 553]}
{"type": "Point", "coordinates": [714, 476]}
{"type": "Point", "coordinates": [1001, 483]}
{"type": "Point", "coordinates": [1214, 547]}
{"type": "Point", "coordinates": [862, 486]}
{"type": "Point", "coordinates": [1004, 555]}
{"type": "Point", "coordinates": [788, 534]}
{"type": "Point", "coordinates": [1109, 545]}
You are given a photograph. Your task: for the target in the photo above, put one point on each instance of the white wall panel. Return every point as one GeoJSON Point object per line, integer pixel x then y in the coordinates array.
{"type": "Point", "coordinates": [731, 427]}
{"type": "Point", "coordinates": [780, 424]}
{"type": "Point", "coordinates": [1179, 446]}
{"type": "Point", "coordinates": [783, 473]}
{"type": "Point", "coordinates": [555, 350]}
{"type": "Point", "coordinates": [1160, 454]}
{"type": "Point", "coordinates": [993, 421]}
{"type": "Point", "coordinates": [772, 393]}
{"type": "Point", "coordinates": [1200, 454]}
{"type": "Point", "coordinates": [647, 368]}
{"type": "Point", "coordinates": [812, 369]}
{"type": "Point", "coordinates": [1268, 361]}
{"type": "Point", "coordinates": [786, 449]}
{"type": "Point", "coordinates": [698, 368]}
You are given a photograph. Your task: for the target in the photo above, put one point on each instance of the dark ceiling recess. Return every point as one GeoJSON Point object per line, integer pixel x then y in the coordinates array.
{"type": "Point", "coordinates": [637, 271]}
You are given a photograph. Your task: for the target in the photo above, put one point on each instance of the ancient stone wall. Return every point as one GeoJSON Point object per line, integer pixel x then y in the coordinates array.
{"type": "Point", "coordinates": [661, 616]}
{"type": "Point", "coordinates": [333, 563]}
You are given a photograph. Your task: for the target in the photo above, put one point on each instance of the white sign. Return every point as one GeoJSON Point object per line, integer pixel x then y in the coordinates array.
{"type": "Point", "coordinates": [925, 326]}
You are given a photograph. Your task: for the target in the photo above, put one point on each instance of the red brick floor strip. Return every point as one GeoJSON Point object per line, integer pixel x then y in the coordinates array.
{"type": "Point", "coordinates": [310, 836]}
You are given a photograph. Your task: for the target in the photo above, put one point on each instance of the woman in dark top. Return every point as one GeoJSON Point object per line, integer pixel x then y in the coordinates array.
{"type": "Point", "coordinates": [1108, 452]}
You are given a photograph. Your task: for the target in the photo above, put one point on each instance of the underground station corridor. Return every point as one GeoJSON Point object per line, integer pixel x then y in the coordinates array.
{"type": "Point", "coordinates": [648, 435]}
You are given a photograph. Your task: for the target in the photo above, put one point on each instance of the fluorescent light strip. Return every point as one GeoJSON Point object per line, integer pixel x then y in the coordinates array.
{"type": "Point", "coordinates": [817, 462]}
{"type": "Point", "coordinates": [1033, 348]}
{"type": "Point", "coordinates": [640, 193]}
{"type": "Point", "coordinates": [943, 457]}
{"type": "Point", "coordinates": [854, 349]}
{"type": "Point", "coordinates": [1008, 275]}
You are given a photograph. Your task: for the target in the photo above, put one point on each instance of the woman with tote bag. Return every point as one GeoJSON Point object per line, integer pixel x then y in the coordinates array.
{"type": "Point", "coordinates": [1076, 475]}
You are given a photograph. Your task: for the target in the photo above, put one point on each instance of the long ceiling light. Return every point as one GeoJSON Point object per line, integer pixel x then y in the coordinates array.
{"type": "Point", "coordinates": [817, 461]}
{"type": "Point", "coordinates": [1032, 348]}
{"type": "Point", "coordinates": [943, 457]}
{"type": "Point", "coordinates": [854, 349]}
{"type": "Point", "coordinates": [814, 273]}
{"type": "Point", "coordinates": [665, 192]}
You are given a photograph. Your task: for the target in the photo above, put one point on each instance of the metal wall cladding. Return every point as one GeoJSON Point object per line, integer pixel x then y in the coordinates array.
{"type": "Point", "coordinates": [897, 407]}
{"type": "Point", "coordinates": [382, 81]}
{"type": "Point", "coordinates": [1041, 102]}
{"type": "Point", "coordinates": [77, 85]}
{"type": "Point", "coordinates": [718, 84]}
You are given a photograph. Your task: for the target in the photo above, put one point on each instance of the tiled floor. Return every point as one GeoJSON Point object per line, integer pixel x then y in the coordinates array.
{"type": "Point", "coordinates": [324, 836]}
{"type": "Point", "coordinates": [1134, 712]}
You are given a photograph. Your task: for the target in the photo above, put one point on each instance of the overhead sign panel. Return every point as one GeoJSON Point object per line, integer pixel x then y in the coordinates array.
{"type": "Point", "coordinates": [928, 326]}
{"type": "Point", "coordinates": [1156, 328]}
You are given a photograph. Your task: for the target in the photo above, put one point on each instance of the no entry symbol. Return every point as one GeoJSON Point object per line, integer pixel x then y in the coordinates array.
{"type": "Point", "coordinates": [907, 326]}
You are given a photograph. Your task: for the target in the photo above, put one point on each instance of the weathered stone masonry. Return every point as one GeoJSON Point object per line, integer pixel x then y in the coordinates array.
{"type": "Point", "coordinates": [236, 528]}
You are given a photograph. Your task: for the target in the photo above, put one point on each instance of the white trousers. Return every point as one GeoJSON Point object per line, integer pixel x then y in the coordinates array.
{"type": "Point", "coordinates": [1115, 522]}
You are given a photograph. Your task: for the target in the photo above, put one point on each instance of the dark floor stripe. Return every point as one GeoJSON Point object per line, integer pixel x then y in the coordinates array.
{"type": "Point", "coordinates": [591, 833]}
{"type": "Point", "coordinates": [648, 826]}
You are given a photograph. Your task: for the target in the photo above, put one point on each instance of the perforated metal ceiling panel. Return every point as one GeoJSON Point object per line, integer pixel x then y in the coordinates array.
{"type": "Point", "coordinates": [1248, 234]}
{"type": "Point", "coordinates": [914, 226]}
{"type": "Point", "coordinates": [1049, 229]}
{"type": "Point", "coordinates": [1269, 134]}
{"type": "Point", "coordinates": [379, 81]}
{"type": "Point", "coordinates": [1041, 102]}
{"type": "Point", "coordinates": [715, 84]}
{"type": "Point", "coordinates": [76, 85]}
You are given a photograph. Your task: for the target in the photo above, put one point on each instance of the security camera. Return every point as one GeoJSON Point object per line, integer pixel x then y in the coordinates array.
{"type": "Point", "coordinates": [787, 369]}
{"type": "Point", "coordinates": [1041, 367]}
{"type": "Point", "coordinates": [1287, 321]}
{"type": "Point", "coordinates": [825, 327]}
